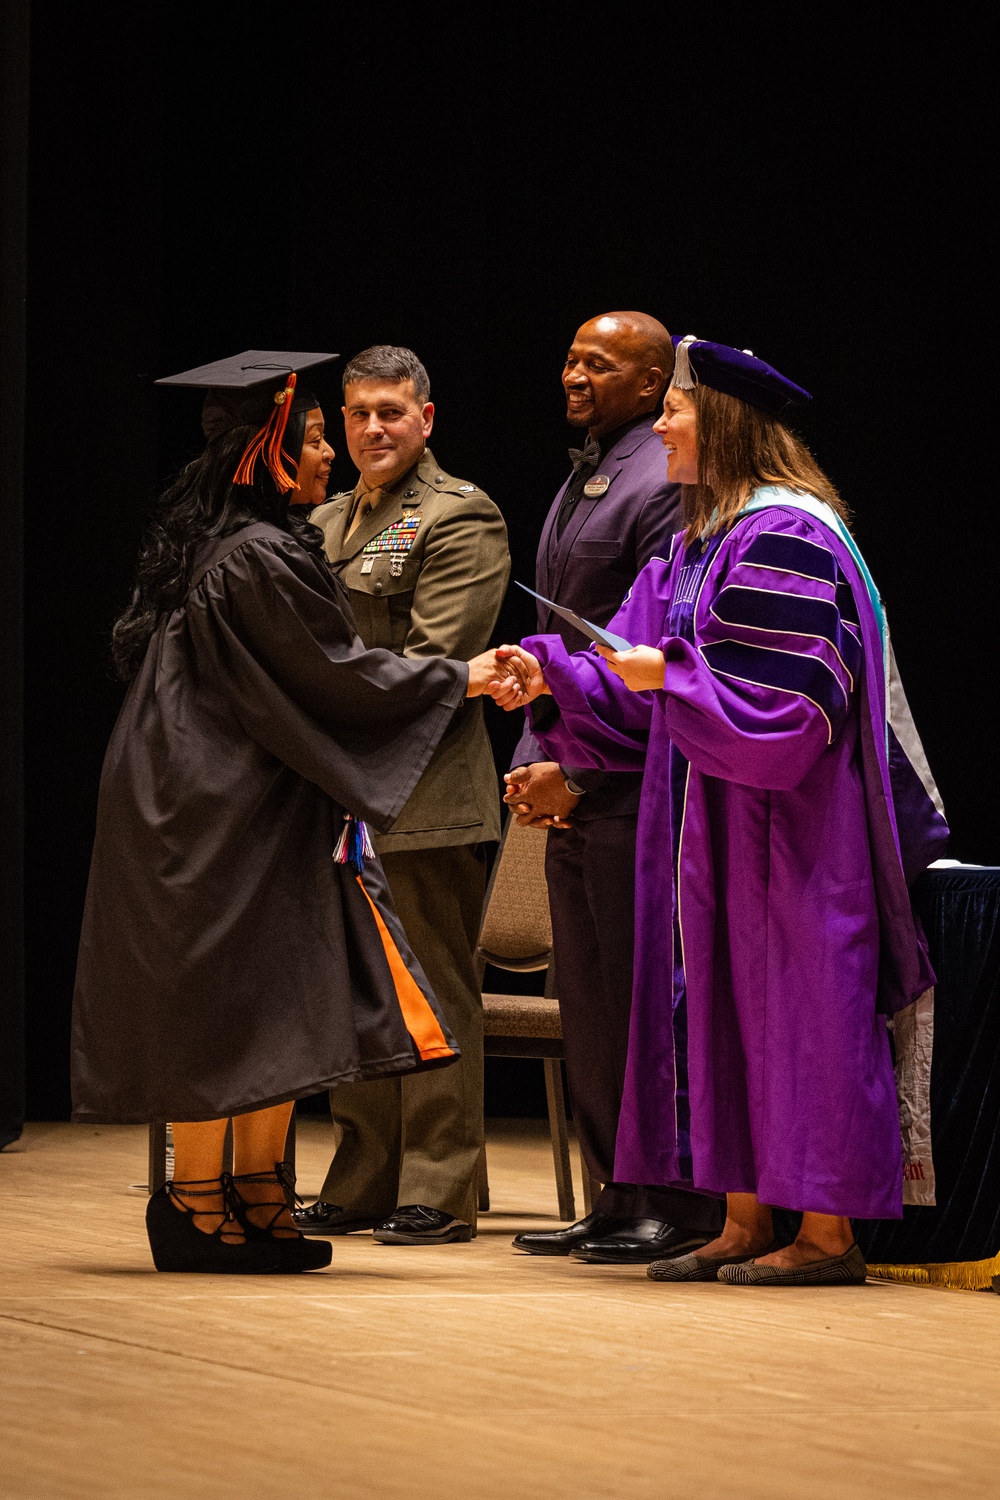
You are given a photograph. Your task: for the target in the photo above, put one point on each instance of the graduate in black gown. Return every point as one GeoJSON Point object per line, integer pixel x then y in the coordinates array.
{"type": "Point", "coordinates": [239, 945]}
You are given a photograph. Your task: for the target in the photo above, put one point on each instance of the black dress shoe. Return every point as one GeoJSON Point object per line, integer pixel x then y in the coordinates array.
{"type": "Point", "coordinates": [417, 1225]}
{"type": "Point", "coordinates": [639, 1242]}
{"type": "Point", "coordinates": [562, 1241]}
{"type": "Point", "coordinates": [330, 1218]}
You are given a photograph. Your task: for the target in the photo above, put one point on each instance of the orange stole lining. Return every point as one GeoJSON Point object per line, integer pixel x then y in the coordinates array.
{"type": "Point", "coordinates": [421, 1022]}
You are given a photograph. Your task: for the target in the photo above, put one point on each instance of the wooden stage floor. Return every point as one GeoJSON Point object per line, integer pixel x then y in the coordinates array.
{"type": "Point", "coordinates": [459, 1371]}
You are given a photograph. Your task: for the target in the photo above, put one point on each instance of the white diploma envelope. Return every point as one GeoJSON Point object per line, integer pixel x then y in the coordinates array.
{"type": "Point", "coordinates": [592, 632]}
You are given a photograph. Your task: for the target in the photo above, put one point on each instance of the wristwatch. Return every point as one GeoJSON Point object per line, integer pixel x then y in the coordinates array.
{"type": "Point", "coordinates": [571, 786]}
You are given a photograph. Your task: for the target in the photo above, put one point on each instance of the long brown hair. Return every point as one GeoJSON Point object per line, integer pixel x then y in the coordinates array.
{"type": "Point", "coordinates": [740, 449]}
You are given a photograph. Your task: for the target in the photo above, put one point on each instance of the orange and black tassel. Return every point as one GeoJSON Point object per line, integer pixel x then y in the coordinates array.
{"type": "Point", "coordinates": [267, 444]}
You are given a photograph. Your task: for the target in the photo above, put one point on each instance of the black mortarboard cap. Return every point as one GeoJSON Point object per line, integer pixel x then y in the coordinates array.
{"type": "Point", "coordinates": [736, 372]}
{"type": "Point", "coordinates": [252, 367]}
{"type": "Point", "coordinates": [252, 389]}
{"type": "Point", "coordinates": [241, 390]}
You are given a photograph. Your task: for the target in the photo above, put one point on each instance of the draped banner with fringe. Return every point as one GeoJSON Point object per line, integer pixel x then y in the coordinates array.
{"type": "Point", "coordinates": [957, 1242]}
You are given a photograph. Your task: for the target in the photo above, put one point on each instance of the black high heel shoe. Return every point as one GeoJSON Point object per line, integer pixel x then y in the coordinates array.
{"type": "Point", "coordinates": [179, 1245]}
{"type": "Point", "coordinates": [295, 1251]}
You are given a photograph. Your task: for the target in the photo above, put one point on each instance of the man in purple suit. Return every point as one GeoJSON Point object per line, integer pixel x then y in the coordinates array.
{"type": "Point", "coordinates": [615, 512]}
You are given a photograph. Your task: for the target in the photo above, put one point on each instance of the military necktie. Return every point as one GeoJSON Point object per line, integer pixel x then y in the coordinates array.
{"type": "Point", "coordinates": [367, 502]}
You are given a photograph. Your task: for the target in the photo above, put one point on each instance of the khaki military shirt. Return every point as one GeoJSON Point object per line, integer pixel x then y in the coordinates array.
{"type": "Point", "coordinates": [426, 571]}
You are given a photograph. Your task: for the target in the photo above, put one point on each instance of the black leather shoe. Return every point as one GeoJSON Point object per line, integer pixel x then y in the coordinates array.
{"type": "Point", "coordinates": [330, 1218]}
{"type": "Point", "coordinates": [417, 1225]}
{"type": "Point", "coordinates": [638, 1243]}
{"type": "Point", "coordinates": [562, 1241]}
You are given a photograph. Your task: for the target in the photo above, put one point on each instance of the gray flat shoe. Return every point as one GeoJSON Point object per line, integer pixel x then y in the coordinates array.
{"type": "Point", "coordinates": [848, 1269]}
{"type": "Point", "coordinates": [697, 1267]}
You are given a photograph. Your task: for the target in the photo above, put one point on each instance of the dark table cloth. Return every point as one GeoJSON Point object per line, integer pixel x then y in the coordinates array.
{"type": "Point", "coordinates": [960, 908]}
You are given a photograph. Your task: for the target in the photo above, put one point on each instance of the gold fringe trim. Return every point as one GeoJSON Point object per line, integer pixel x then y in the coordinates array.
{"type": "Point", "coordinates": [959, 1275]}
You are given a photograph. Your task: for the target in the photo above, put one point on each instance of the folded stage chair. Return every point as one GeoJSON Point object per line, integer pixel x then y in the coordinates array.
{"type": "Point", "coordinates": [517, 935]}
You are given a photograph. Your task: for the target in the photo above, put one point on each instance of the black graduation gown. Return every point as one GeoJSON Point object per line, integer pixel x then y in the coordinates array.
{"type": "Point", "coordinates": [226, 962]}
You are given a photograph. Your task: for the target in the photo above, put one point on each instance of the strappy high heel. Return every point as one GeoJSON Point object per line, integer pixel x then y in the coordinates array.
{"type": "Point", "coordinates": [179, 1245]}
{"type": "Point", "coordinates": [295, 1252]}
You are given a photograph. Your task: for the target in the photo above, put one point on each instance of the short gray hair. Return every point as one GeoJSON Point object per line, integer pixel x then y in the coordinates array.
{"type": "Point", "coordinates": [386, 362]}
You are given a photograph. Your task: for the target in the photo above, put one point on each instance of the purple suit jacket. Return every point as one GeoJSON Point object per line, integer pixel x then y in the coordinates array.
{"type": "Point", "coordinates": [591, 568]}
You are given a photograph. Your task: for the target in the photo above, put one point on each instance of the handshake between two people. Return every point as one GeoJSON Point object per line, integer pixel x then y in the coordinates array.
{"type": "Point", "coordinates": [509, 674]}
{"type": "Point", "coordinates": [513, 677]}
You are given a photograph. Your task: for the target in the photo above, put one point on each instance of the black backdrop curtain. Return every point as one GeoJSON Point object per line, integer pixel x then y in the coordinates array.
{"type": "Point", "coordinates": [199, 184]}
{"type": "Point", "coordinates": [14, 80]}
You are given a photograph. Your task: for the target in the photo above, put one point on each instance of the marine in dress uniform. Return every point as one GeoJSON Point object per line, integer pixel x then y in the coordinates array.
{"type": "Point", "coordinates": [425, 562]}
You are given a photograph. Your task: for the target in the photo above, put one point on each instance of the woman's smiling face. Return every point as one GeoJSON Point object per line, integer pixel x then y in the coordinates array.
{"type": "Point", "coordinates": [678, 430]}
{"type": "Point", "coordinates": [314, 462]}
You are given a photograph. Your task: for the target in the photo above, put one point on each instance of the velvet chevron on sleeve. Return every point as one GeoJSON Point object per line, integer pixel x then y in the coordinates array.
{"type": "Point", "coordinates": [768, 682]}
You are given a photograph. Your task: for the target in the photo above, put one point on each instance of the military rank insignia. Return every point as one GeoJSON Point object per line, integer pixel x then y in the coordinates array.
{"type": "Point", "coordinates": [397, 540]}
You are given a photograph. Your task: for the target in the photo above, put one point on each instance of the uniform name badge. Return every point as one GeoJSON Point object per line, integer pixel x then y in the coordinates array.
{"type": "Point", "coordinates": [596, 486]}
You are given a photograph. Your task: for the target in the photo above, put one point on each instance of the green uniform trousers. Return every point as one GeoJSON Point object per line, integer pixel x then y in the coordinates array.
{"type": "Point", "coordinates": [417, 1139]}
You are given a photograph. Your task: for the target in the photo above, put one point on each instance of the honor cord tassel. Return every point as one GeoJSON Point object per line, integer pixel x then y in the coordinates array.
{"type": "Point", "coordinates": [354, 845]}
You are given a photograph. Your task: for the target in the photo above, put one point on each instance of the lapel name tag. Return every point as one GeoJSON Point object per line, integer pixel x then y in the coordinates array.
{"type": "Point", "coordinates": [367, 563]}
{"type": "Point", "coordinates": [596, 486]}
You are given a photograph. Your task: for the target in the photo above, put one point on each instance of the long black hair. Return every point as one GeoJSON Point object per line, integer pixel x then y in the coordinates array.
{"type": "Point", "coordinates": [202, 502]}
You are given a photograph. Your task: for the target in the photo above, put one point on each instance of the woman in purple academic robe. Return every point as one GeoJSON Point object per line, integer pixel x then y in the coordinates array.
{"type": "Point", "coordinates": [779, 825]}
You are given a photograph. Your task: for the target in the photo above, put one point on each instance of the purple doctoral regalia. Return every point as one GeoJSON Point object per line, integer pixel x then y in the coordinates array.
{"type": "Point", "coordinates": [774, 930]}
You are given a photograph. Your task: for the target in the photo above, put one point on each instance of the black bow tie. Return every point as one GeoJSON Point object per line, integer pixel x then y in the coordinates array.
{"type": "Point", "coordinates": [590, 454]}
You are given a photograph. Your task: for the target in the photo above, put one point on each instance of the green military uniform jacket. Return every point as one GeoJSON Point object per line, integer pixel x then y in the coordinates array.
{"type": "Point", "coordinates": [426, 571]}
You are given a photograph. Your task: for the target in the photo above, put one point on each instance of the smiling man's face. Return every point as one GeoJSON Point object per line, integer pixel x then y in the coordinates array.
{"type": "Point", "coordinates": [608, 376]}
{"type": "Point", "coordinates": [386, 428]}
